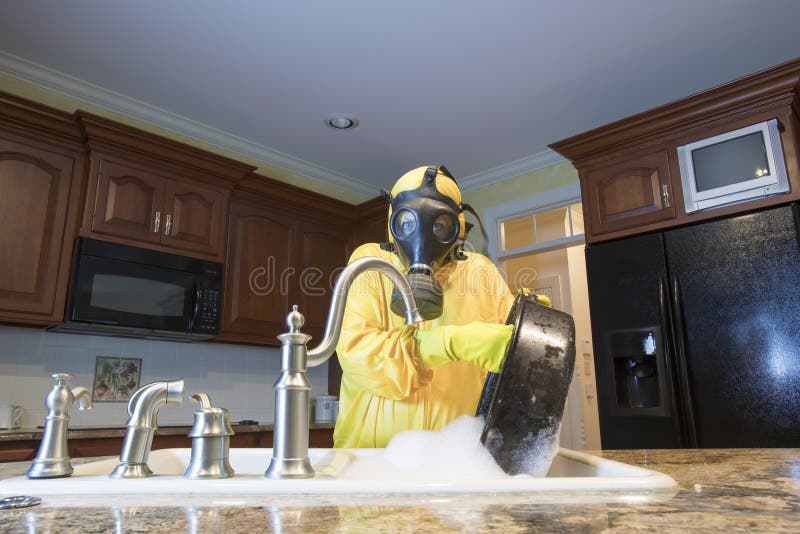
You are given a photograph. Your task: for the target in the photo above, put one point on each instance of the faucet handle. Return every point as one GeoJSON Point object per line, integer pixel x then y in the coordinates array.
{"type": "Point", "coordinates": [81, 394]}
{"type": "Point", "coordinates": [202, 399]}
{"type": "Point", "coordinates": [295, 320]}
{"type": "Point", "coordinates": [62, 379]}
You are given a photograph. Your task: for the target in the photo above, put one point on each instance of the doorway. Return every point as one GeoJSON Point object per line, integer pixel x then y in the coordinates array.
{"type": "Point", "coordinates": [538, 243]}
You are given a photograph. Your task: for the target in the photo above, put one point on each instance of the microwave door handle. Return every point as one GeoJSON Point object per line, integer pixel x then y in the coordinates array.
{"type": "Point", "coordinates": [195, 308]}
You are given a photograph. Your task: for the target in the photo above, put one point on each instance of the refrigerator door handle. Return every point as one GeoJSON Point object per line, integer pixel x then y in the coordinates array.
{"type": "Point", "coordinates": [668, 342]}
{"type": "Point", "coordinates": [680, 360]}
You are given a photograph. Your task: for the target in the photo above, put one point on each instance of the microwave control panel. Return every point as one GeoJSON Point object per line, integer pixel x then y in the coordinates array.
{"type": "Point", "coordinates": [208, 310]}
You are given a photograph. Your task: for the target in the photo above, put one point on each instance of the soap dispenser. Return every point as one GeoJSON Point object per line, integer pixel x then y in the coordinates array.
{"type": "Point", "coordinates": [52, 460]}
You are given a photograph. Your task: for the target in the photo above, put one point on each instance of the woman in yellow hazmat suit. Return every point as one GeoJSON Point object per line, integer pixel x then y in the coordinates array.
{"type": "Point", "coordinates": [420, 377]}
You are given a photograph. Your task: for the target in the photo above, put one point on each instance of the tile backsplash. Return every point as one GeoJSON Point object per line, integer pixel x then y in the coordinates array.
{"type": "Point", "coordinates": [236, 377]}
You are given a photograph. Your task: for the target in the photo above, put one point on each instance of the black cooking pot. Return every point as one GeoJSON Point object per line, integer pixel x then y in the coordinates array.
{"type": "Point", "coordinates": [523, 404]}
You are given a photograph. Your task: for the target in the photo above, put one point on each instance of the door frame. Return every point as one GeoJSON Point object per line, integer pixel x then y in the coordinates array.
{"type": "Point", "coordinates": [547, 200]}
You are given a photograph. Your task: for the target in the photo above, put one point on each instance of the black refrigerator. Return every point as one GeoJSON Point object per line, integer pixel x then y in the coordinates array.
{"type": "Point", "coordinates": [697, 334]}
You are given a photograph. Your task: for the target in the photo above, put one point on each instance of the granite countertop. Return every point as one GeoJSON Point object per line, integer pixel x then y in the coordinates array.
{"type": "Point", "coordinates": [733, 490]}
{"type": "Point", "coordinates": [77, 432]}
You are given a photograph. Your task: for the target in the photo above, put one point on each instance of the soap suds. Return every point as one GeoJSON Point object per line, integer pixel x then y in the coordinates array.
{"type": "Point", "coordinates": [454, 453]}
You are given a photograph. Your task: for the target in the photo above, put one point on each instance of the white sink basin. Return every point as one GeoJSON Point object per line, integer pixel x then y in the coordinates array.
{"type": "Point", "coordinates": [340, 471]}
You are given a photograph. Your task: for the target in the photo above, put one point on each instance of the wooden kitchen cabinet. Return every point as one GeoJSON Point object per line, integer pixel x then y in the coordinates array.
{"type": "Point", "coordinates": [134, 203]}
{"type": "Point", "coordinates": [193, 217]}
{"type": "Point", "coordinates": [280, 253]}
{"type": "Point", "coordinates": [323, 254]}
{"type": "Point", "coordinates": [629, 170]}
{"type": "Point", "coordinates": [127, 202]}
{"type": "Point", "coordinates": [145, 190]}
{"type": "Point", "coordinates": [633, 192]}
{"type": "Point", "coordinates": [257, 294]}
{"type": "Point", "coordinates": [276, 260]}
{"type": "Point", "coordinates": [40, 174]}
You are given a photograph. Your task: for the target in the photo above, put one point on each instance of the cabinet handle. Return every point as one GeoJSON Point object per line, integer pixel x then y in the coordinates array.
{"type": "Point", "coordinates": [168, 224]}
{"type": "Point", "coordinates": [157, 222]}
{"type": "Point", "coordinates": [665, 194]}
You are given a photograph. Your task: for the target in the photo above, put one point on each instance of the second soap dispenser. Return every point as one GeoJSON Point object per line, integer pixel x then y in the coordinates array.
{"type": "Point", "coordinates": [210, 435]}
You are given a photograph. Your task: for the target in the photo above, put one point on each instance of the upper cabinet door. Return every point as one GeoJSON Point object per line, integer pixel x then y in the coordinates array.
{"type": "Point", "coordinates": [128, 202]}
{"type": "Point", "coordinates": [324, 255]}
{"type": "Point", "coordinates": [193, 217]}
{"type": "Point", "coordinates": [259, 275]}
{"type": "Point", "coordinates": [34, 192]}
{"type": "Point", "coordinates": [630, 194]}
{"type": "Point", "coordinates": [134, 204]}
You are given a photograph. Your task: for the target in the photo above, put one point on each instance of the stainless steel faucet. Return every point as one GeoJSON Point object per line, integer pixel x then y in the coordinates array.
{"type": "Point", "coordinates": [211, 435]}
{"type": "Point", "coordinates": [293, 390]}
{"type": "Point", "coordinates": [52, 460]}
{"type": "Point", "coordinates": [142, 411]}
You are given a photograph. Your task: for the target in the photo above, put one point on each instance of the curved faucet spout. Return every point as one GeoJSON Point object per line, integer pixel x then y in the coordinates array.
{"type": "Point", "coordinates": [333, 328]}
{"type": "Point", "coordinates": [142, 408]}
{"type": "Point", "coordinates": [144, 404]}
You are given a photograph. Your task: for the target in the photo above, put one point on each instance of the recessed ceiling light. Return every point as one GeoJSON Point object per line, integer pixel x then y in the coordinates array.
{"type": "Point", "coordinates": [341, 121]}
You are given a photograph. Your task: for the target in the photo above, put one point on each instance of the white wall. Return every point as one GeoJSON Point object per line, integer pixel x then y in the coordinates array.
{"type": "Point", "coordinates": [584, 358]}
{"type": "Point", "coordinates": [236, 377]}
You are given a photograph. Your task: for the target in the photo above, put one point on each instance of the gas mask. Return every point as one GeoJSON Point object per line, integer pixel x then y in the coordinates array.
{"type": "Point", "coordinates": [427, 228]}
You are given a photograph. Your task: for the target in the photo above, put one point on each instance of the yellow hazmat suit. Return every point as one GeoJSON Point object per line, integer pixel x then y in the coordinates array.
{"type": "Point", "coordinates": [398, 377]}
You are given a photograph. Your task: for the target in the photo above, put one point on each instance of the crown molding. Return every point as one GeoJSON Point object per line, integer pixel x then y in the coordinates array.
{"type": "Point", "coordinates": [59, 82]}
{"type": "Point", "coordinates": [509, 170]}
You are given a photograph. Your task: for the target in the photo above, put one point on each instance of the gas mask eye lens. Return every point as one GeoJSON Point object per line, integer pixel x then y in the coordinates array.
{"type": "Point", "coordinates": [405, 224]}
{"type": "Point", "coordinates": [443, 228]}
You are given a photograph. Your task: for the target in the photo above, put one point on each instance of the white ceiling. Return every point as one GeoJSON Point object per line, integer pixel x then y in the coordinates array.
{"type": "Point", "coordinates": [480, 86]}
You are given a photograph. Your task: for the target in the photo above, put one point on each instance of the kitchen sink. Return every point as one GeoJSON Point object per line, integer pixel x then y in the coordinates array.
{"type": "Point", "coordinates": [342, 471]}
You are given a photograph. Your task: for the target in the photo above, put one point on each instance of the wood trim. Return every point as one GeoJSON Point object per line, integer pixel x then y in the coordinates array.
{"type": "Point", "coordinates": [104, 133]}
{"type": "Point", "coordinates": [38, 119]}
{"type": "Point", "coordinates": [719, 213]}
{"type": "Point", "coordinates": [773, 87]}
{"type": "Point", "coordinates": [25, 449]}
{"type": "Point", "coordinates": [771, 93]}
{"type": "Point", "coordinates": [262, 189]}
{"type": "Point", "coordinates": [374, 208]}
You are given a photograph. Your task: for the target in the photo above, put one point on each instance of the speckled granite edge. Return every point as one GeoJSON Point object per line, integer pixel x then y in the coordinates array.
{"type": "Point", "coordinates": [734, 490]}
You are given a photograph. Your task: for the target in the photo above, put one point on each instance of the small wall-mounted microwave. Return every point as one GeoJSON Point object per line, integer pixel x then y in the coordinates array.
{"type": "Point", "coordinates": [736, 166]}
{"type": "Point", "coordinates": [132, 292]}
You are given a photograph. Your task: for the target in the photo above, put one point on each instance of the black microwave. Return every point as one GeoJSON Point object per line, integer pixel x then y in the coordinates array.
{"type": "Point", "coordinates": [133, 292]}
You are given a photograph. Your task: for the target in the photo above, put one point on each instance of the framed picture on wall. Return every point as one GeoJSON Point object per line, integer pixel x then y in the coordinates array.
{"type": "Point", "coordinates": [116, 379]}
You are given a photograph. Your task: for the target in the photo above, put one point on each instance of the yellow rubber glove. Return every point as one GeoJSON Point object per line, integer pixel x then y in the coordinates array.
{"type": "Point", "coordinates": [483, 344]}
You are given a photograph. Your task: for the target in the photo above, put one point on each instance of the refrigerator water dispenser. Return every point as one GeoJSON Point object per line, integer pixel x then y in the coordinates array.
{"type": "Point", "coordinates": [637, 370]}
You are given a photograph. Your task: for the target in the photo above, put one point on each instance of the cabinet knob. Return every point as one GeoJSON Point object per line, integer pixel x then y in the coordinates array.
{"type": "Point", "coordinates": [665, 195]}
{"type": "Point", "coordinates": [157, 222]}
{"type": "Point", "coordinates": [168, 224]}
